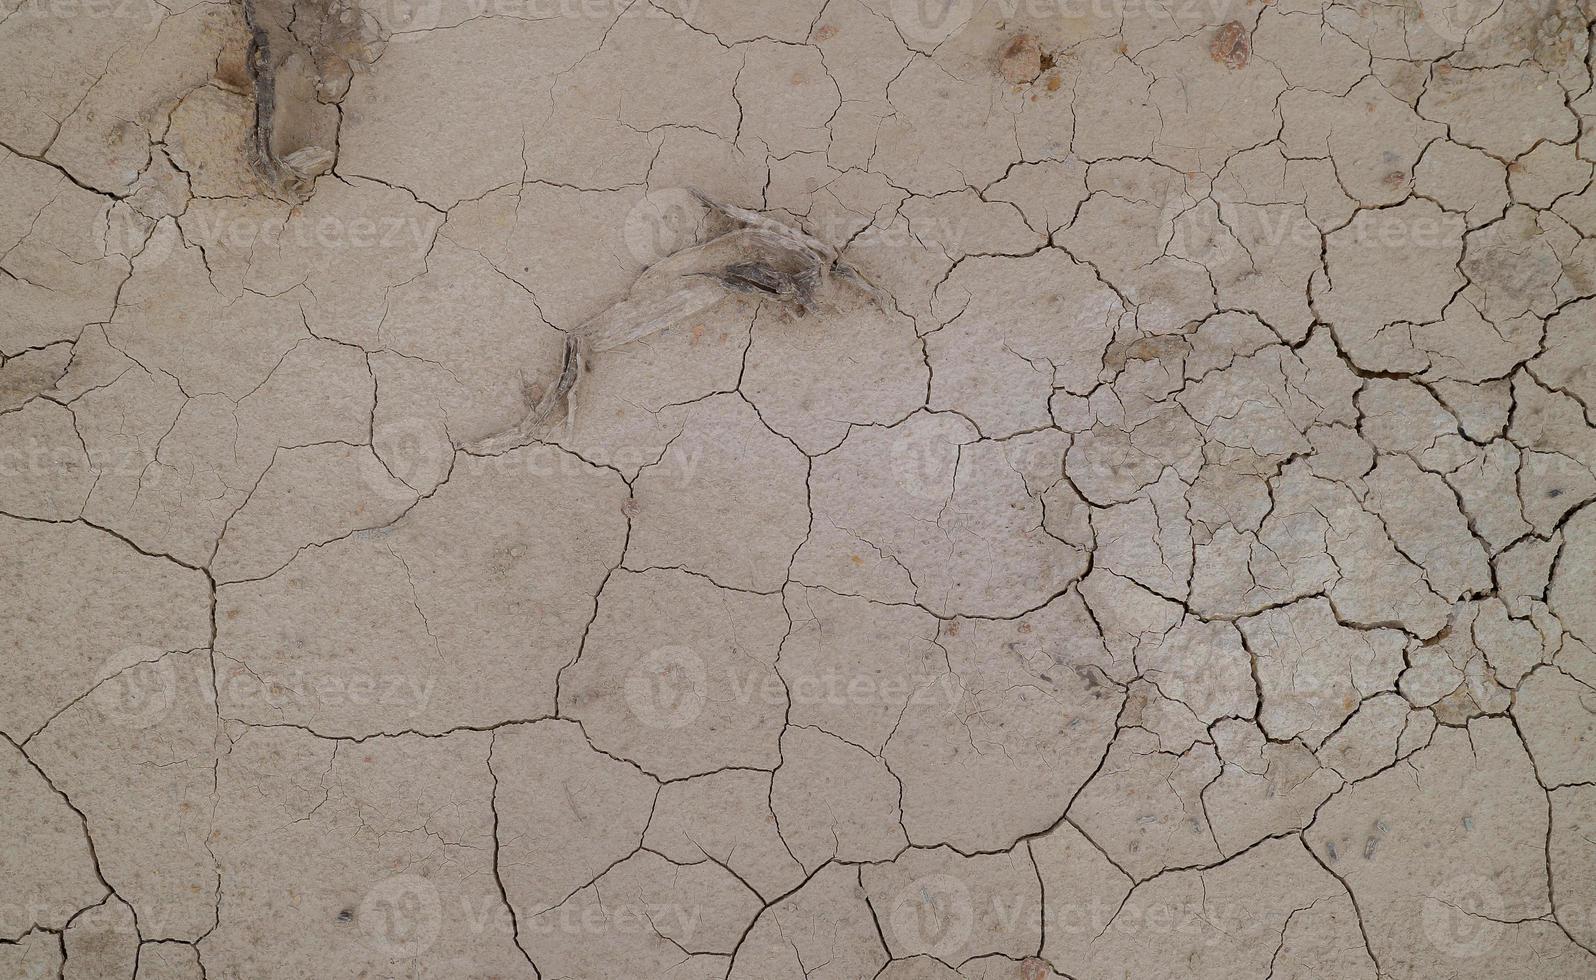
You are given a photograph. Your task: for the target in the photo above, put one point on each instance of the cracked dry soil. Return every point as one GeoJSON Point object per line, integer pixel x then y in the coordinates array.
{"type": "Point", "coordinates": [797, 489]}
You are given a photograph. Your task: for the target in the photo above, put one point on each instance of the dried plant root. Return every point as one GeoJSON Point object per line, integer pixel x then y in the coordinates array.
{"type": "Point", "coordinates": [547, 406]}
{"type": "Point", "coordinates": [300, 58]}
{"type": "Point", "coordinates": [757, 256]}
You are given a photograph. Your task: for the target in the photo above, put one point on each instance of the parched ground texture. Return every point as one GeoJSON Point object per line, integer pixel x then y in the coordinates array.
{"type": "Point", "coordinates": [1162, 545]}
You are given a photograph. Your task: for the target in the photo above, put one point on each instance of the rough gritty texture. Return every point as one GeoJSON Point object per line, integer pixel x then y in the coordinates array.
{"type": "Point", "coordinates": [1146, 530]}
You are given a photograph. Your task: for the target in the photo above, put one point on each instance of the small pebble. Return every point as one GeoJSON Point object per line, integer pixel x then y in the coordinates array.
{"type": "Point", "coordinates": [1020, 61]}
{"type": "Point", "coordinates": [1232, 46]}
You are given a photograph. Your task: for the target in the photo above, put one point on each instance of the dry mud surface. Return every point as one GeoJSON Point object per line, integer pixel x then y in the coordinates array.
{"type": "Point", "coordinates": [797, 489]}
